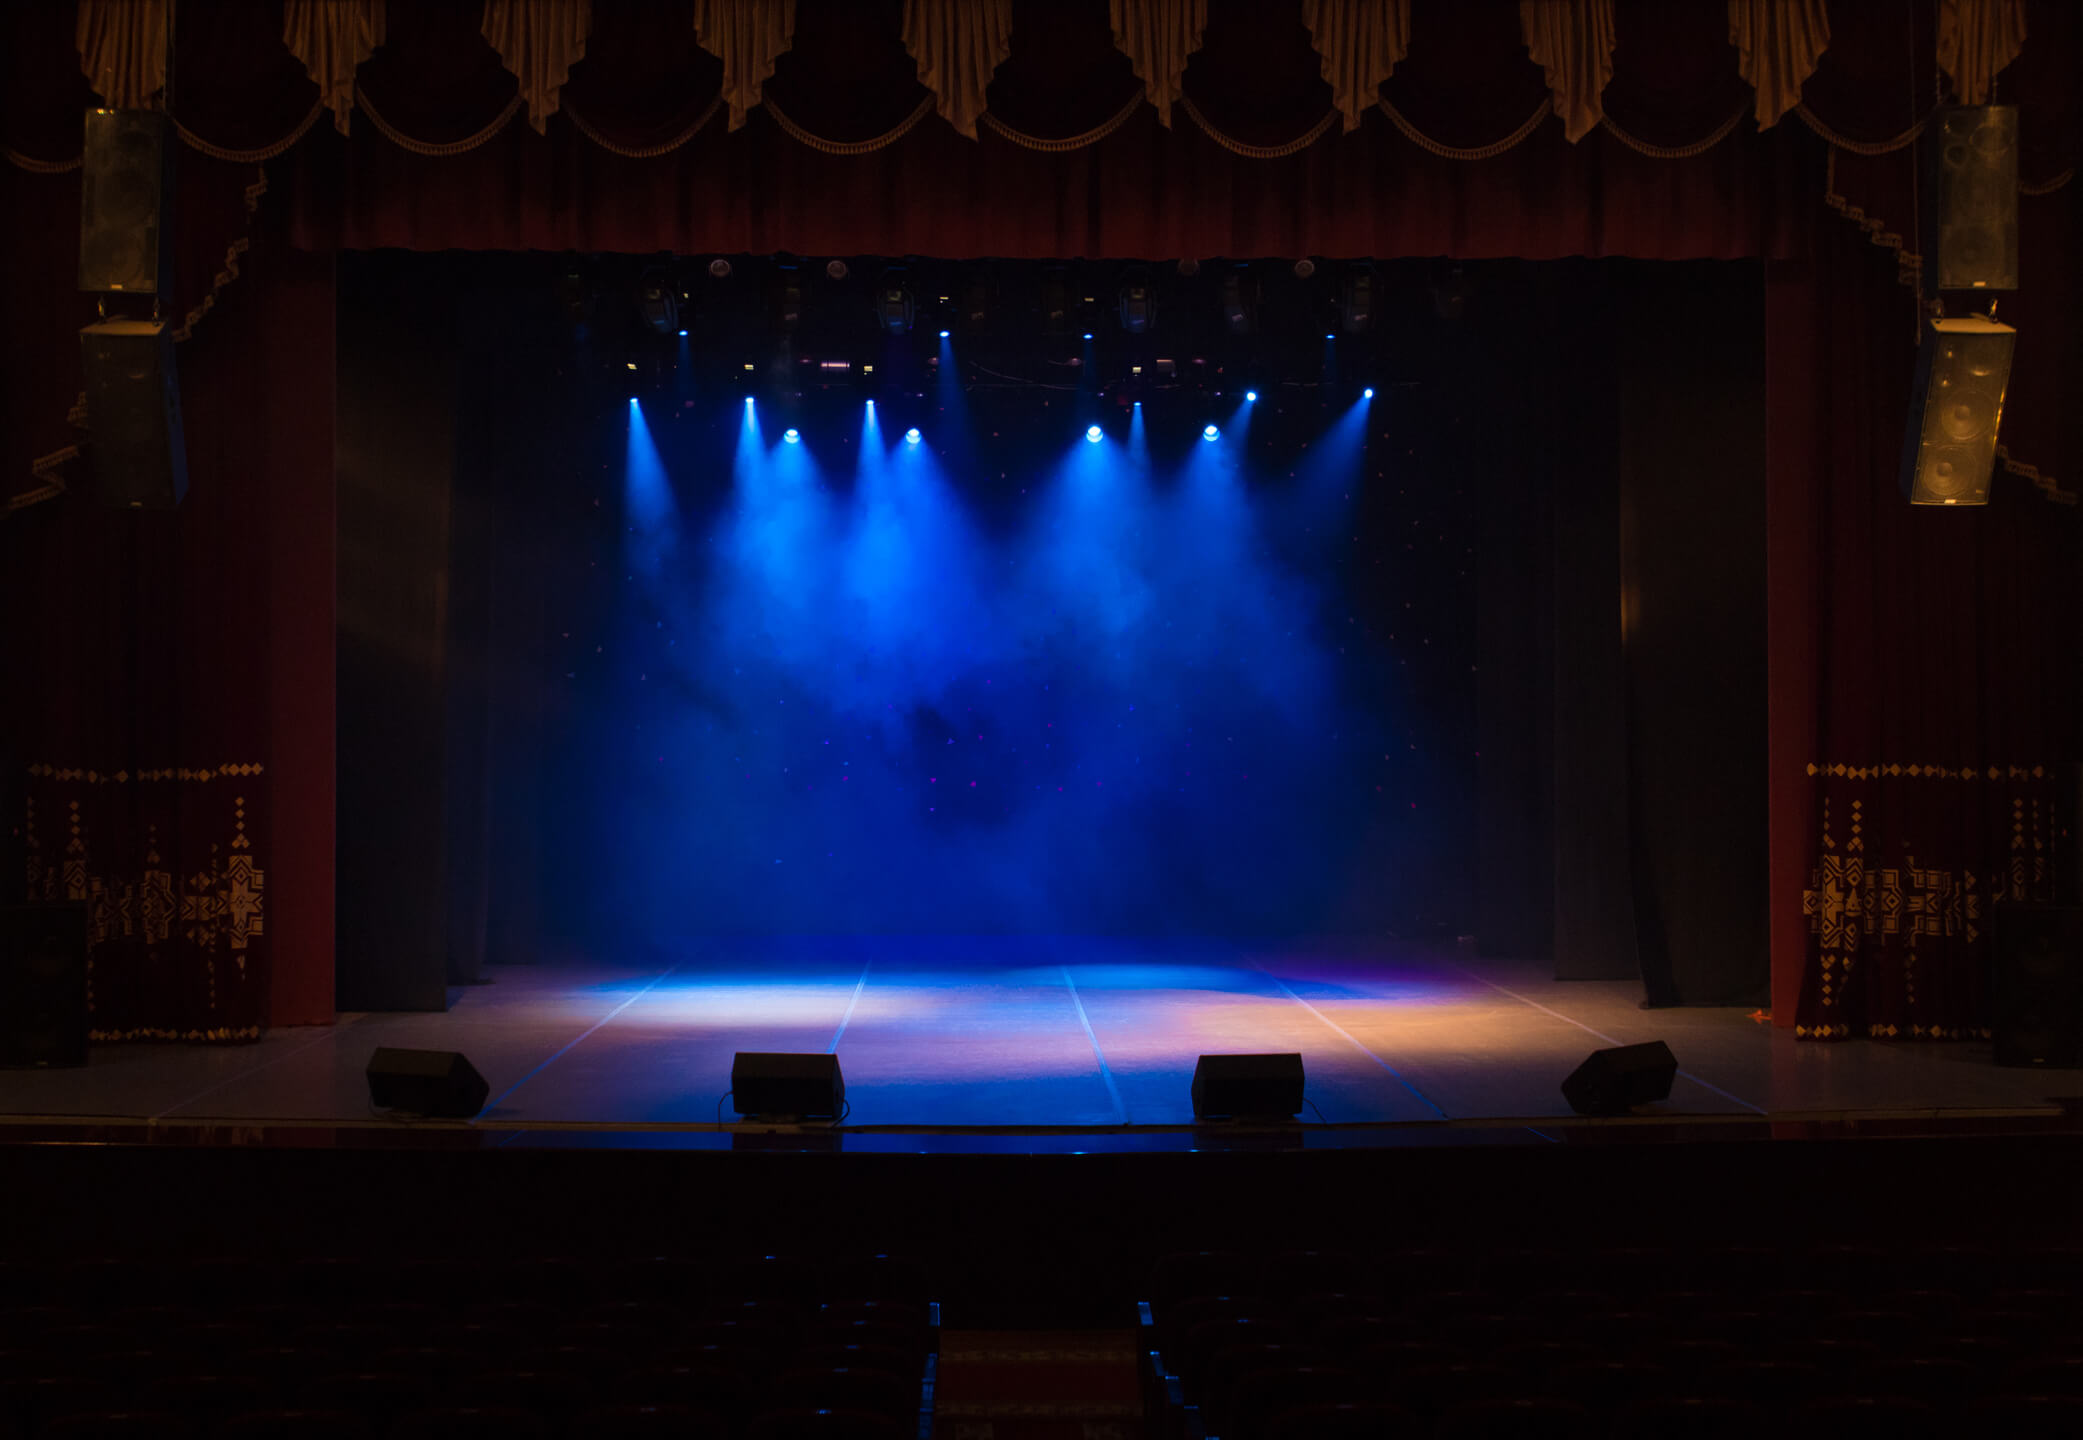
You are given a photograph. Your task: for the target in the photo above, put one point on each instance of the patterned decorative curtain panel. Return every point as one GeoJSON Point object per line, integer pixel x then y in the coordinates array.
{"type": "Point", "coordinates": [171, 867]}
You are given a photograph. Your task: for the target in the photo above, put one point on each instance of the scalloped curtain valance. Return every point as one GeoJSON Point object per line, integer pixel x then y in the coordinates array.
{"type": "Point", "coordinates": [959, 46]}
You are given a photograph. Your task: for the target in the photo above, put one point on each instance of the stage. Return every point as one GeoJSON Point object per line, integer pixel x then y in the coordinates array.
{"type": "Point", "coordinates": [1041, 1044]}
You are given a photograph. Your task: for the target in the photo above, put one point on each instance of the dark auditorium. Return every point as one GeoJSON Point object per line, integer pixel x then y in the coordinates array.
{"type": "Point", "coordinates": [1041, 720]}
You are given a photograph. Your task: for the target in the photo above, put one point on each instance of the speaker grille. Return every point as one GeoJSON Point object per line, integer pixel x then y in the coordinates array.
{"type": "Point", "coordinates": [1975, 160]}
{"type": "Point", "coordinates": [1950, 448]}
{"type": "Point", "coordinates": [124, 188]}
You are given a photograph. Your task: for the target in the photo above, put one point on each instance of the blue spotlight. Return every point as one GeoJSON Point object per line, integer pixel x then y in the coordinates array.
{"type": "Point", "coordinates": [1368, 393]}
{"type": "Point", "coordinates": [1251, 394]}
{"type": "Point", "coordinates": [1092, 433]}
{"type": "Point", "coordinates": [748, 400]}
{"type": "Point", "coordinates": [683, 334]}
{"type": "Point", "coordinates": [1330, 337]}
{"type": "Point", "coordinates": [792, 435]}
{"type": "Point", "coordinates": [1088, 334]}
{"type": "Point", "coordinates": [943, 334]}
{"type": "Point", "coordinates": [912, 436]}
{"type": "Point", "coordinates": [1210, 433]}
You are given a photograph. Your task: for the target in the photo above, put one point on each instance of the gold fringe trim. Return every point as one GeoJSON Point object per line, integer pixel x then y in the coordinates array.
{"type": "Point", "coordinates": [1909, 265]}
{"type": "Point", "coordinates": [1258, 152]}
{"type": "Point", "coordinates": [391, 132]}
{"type": "Point", "coordinates": [1859, 147]}
{"type": "Point", "coordinates": [645, 152]}
{"type": "Point", "coordinates": [1677, 152]}
{"type": "Point", "coordinates": [1070, 142]}
{"type": "Point", "coordinates": [230, 272]}
{"type": "Point", "coordinates": [43, 167]}
{"type": "Point", "coordinates": [2023, 471]}
{"type": "Point", "coordinates": [220, 1035]}
{"type": "Point", "coordinates": [850, 147]}
{"type": "Point", "coordinates": [1928, 772]}
{"type": "Point", "coordinates": [251, 157]}
{"type": "Point", "coordinates": [125, 777]}
{"type": "Point", "coordinates": [1472, 152]}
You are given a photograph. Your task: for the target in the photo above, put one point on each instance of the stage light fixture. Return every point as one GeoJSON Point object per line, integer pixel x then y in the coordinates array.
{"type": "Point", "coordinates": [1189, 267]}
{"type": "Point", "coordinates": [748, 401]}
{"type": "Point", "coordinates": [943, 334]}
{"type": "Point", "coordinates": [573, 299]}
{"type": "Point", "coordinates": [631, 364]}
{"type": "Point", "coordinates": [912, 436]}
{"type": "Point", "coordinates": [792, 435]}
{"type": "Point", "coordinates": [896, 308]}
{"type": "Point", "coordinates": [1239, 303]}
{"type": "Point", "coordinates": [657, 302]}
{"type": "Point", "coordinates": [1210, 433]}
{"type": "Point", "coordinates": [719, 268]}
{"type": "Point", "coordinates": [1356, 300]}
{"type": "Point", "coordinates": [1088, 334]}
{"type": "Point", "coordinates": [1304, 268]}
{"type": "Point", "coordinates": [683, 334]}
{"type": "Point", "coordinates": [835, 269]}
{"type": "Point", "coordinates": [1138, 303]}
{"type": "Point", "coordinates": [1092, 434]}
{"type": "Point", "coordinates": [788, 299]}
{"type": "Point", "coordinates": [1251, 394]}
{"type": "Point", "coordinates": [1368, 393]}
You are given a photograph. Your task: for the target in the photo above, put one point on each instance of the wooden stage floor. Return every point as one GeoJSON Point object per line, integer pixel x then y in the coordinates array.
{"type": "Point", "coordinates": [1090, 1037]}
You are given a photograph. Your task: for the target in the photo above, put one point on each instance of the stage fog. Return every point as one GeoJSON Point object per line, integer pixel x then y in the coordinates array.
{"type": "Point", "coordinates": [1050, 667]}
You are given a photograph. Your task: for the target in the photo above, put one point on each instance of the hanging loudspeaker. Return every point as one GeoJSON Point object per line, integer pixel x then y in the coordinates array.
{"type": "Point", "coordinates": [1949, 447]}
{"type": "Point", "coordinates": [1971, 226]}
{"type": "Point", "coordinates": [134, 414]}
{"type": "Point", "coordinates": [126, 189]}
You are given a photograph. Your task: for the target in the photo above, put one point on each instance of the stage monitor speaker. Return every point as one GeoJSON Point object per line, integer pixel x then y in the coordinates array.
{"type": "Point", "coordinates": [43, 985]}
{"type": "Point", "coordinates": [809, 1086]}
{"type": "Point", "coordinates": [437, 1083]}
{"type": "Point", "coordinates": [126, 203]}
{"type": "Point", "coordinates": [134, 414]}
{"type": "Point", "coordinates": [1949, 447]}
{"type": "Point", "coordinates": [1247, 1086]}
{"type": "Point", "coordinates": [1613, 1082]}
{"type": "Point", "coordinates": [2038, 1010]}
{"type": "Point", "coordinates": [1971, 224]}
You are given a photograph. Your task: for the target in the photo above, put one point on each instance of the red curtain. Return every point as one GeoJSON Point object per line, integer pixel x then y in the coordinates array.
{"type": "Point", "coordinates": [169, 675]}
{"type": "Point", "coordinates": [204, 640]}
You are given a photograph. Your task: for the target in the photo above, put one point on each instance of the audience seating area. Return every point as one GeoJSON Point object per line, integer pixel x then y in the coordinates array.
{"type": "Point", "coordinates": [1633, 1345]}
{"type": "Point", "coordinates": [764, 1349]}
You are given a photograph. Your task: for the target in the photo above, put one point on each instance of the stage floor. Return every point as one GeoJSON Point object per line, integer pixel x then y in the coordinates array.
{"type": "Point", "coordinates": [946, 1035]}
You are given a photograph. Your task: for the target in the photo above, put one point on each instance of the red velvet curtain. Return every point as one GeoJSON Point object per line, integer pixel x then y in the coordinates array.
{"type": "Point", "coordinates": [204, 639]}
{"type": "Point", "coordinates": [1145, 190]}
{"type": "Point", "coordinates": [169, 676]}
{"type": "Point", "coordinates": [1923, 674]}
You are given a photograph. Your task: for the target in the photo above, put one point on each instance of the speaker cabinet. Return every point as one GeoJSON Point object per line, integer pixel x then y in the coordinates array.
{"type": "Point", "coordinates": [126, 196]}
{"type": "Point", "coordinates": [43, 985]}
{"type": "Point", "coordinates": [437, 1083]}
{"type": "Point", "coordinates": [808, 1086]}
{"type": "Point", "coordinates": [134, 414]}
{"type": "Point", "coordinates": [1949, 447]}
{"type": "Point", "coordinates": [2039, 986]}
{"type": "Point", "coordinates": [1971, 224]}
{"type": "Point", "coordinates": [1256, 1086]}
{"type": "Point", "coordinates": [1613, 1082]}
